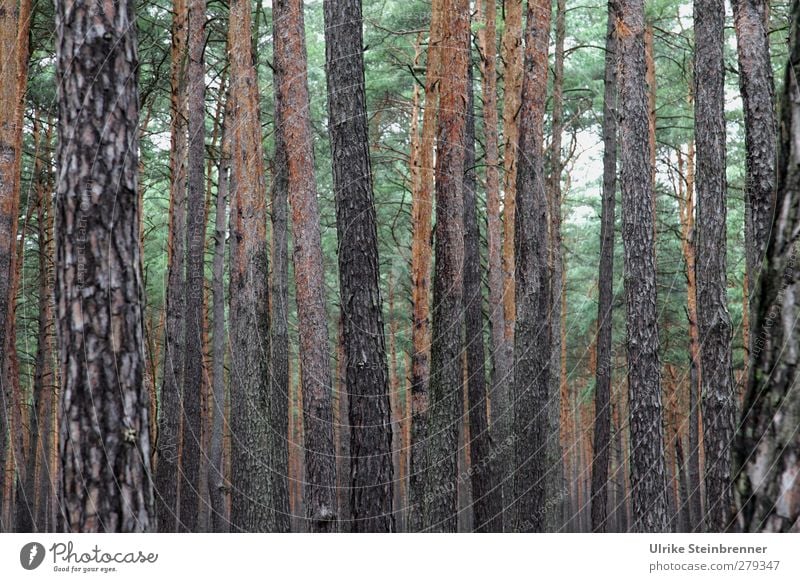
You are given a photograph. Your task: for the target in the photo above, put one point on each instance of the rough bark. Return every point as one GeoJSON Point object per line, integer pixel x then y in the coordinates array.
{"type": "Point", "coordinates": [494, 224]}
{"type": "Point", "coordinates": [105, 425]}
{"type": "Point", "coordinates": [768, 443]}
{"type": "Point", "coordinates": [193, 377]}
{"type": "Point", "coordinates": [421, 213]}
{"type": "Point", "coordinates": [14, 29]}
{"type": "Point", "coordinates": [602, 402]}
{"type": "Point", "coordinates": [216, 470]}
{"type": "Point", "coordinates": [279, 320]}
{"type": "Point", "coordinates": [532, 294]}
{"type": "Point", "coordinates": [486, 493]}
{"type": "Point", "coordinates": [440, 502]}
{"type": "Point", "coordinates": [366, 372]}
{"type": "Point", "coordinates": [502, 412]}
{"type": "Point", "coordinates": [248, 292]}
{"type": "Point", "coordinates": [760, 131]}
{"type": "Point", "coordinates": [291, 61]}
{"type": "Point", "coordinates": [713, 321]}
{"type": "Point", "coordinates": [167, 443]}
{"type": "Point", "coordinates": [644, 374]}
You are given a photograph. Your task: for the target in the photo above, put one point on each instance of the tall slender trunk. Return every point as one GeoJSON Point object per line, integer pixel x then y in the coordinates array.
{"type": "Point", "coordinates": [502, 411]}
{"type": "Point", "coordinates": [760, 132]}
{"type": "Point", "coordinates": [193, 377]}
{"type": "Point", "coordinates": [532, 294]}
{"type": "Point", "coordinates": [167, 444]}
{"type": "Point", "coordinates": [290, 60]}
{"type": "Point", "coordinates": [441, 503]}
{"type": "Point", "coordinates": [14, 28]}
{"type": "Point", "coordinates": [421, 212]}
{"type": "Point", "coordinates": [486, 494]}
{"type": "Point", "coordinates": [644, 372]}
{"type": "Point", "coordinates": [602, 402]}
{"type": "Point", "coordinates": [555, 475]}
{"type": "Point", "coordinates": [251, 508]}
{"type": "Point", "coordinates": [105, 481]}
{"type": "Point", "coordinates": [216, 471]}
{"type": "Point", "coordinates": [714, 323]}
{"type": "Point", "coordinates": [367, 380]}
{"type": "Point", "coordinates": [494, 224]}
{"type": "Point", "coordinates": [280, 396]}
{"type": "Point", "coordinates": [767, 445]}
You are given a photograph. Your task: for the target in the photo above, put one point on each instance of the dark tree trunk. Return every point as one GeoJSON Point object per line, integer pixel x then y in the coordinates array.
{"type": "Point", "coordinates": [216, 471]}
{"type": "Point", "coordinates": [167, 449]}
{"type": "Point", "coordinates": [602, 399]}
{"type": "Point", "coordinates": [532, 294]}
{"type": "Point", "coordinates": [193, 380]}
{"type": "Point", "coordinates": [486, 493]}
{"type": "Point", "coordinates": [758, 100]}
{"type": "Point", "coordinates": [279, 319]}
{"type": "Point", "coordinates": [105, 426]}
{"type": "Point", "coordinates": [768, 443]}
{"type": "Point", "coordinates": [366, 373]}
{"type": "Point", "coordinates": [714, 323]}
{"type": "Point", "coordinates": [441, 503]}
{"type": "Point", "coordinates": [249, 293]}
{"type": "Point", "coordinates": [291, 62]}
{"type": "Point", "coordinates": [684, 519]}
{"type": "Point", "coordinates": [648, 472]}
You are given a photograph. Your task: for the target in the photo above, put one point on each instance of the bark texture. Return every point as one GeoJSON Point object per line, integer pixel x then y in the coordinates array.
{"type": "Point", "coordinates": [768, 442]}
{"type": "Point", "coordinates": [751, 23]}
{"type": "Point", "coordinates": [446, 381]}
{"type": "Point", "coordinates": [487, 503]}
{"type": "Point", "coordinates": [291, 62]}
{"type": "Point", "coordinates": [105, 425]}
{"type": "Point", "coordinates": [714, 322]}
{"type": "Point", "coordinates": [366, 372]}
{"type": "Point", "coordinates": [648, 472]}
{"type": "Point", "coordinates": [602, 399]}
{"type": "Point", "coordinates": [193, 379]}
{"type": "Point", "coordinates": [167, 449]}
{"type": "Point", "coordinates": [249, 301]}
{"type": "Point", "coordinates": [421, 220]}
{"type": "Point", "coordinates": [532, 333]}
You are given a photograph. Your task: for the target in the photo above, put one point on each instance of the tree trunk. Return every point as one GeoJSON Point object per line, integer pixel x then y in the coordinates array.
{"type": "Point", "coordinates": [291, 62]}
{"type": "Point", "coordinates": [602, 402]}
{"type": "Point", "coordinates": [14, 28]}
{"type": "Point", "coordinates": [555, 474]}
{"type": "Point", "coordinates": [441, 503]}
{"type": "Point", "coordinates": [767, 445]}
{"type": "Point", "coordinates": [167, 444]}
{"type": "Point", "coordinates": [758, 101]}
{"type": "Point", "coordinates": [644, 373]}
{"type": "Point", "coordinates": [249, 294]}
{"type": "Point", "coordinates": [279, 387]}
{"type": "Point", "coordinates": [421, 212]}
{"type": "Point", "coordinates": [714, 324]}
{"type": "Point", "coordinates": [502, 411]}
{"type": "Point", "coordinates": [486, 493]}
{"type": "Point", "coordinates": [216, 471]}
{"type": "Point", "coordinates": [367, 381]}
{"type": "Point", "coordinates": [532, 294]}
{"type": "Point", "coordinates": [105, 428]}
{"type": "Point", "coordinates": [193, 377]}
{"type": "Point", "coordinates": [494, 225]}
